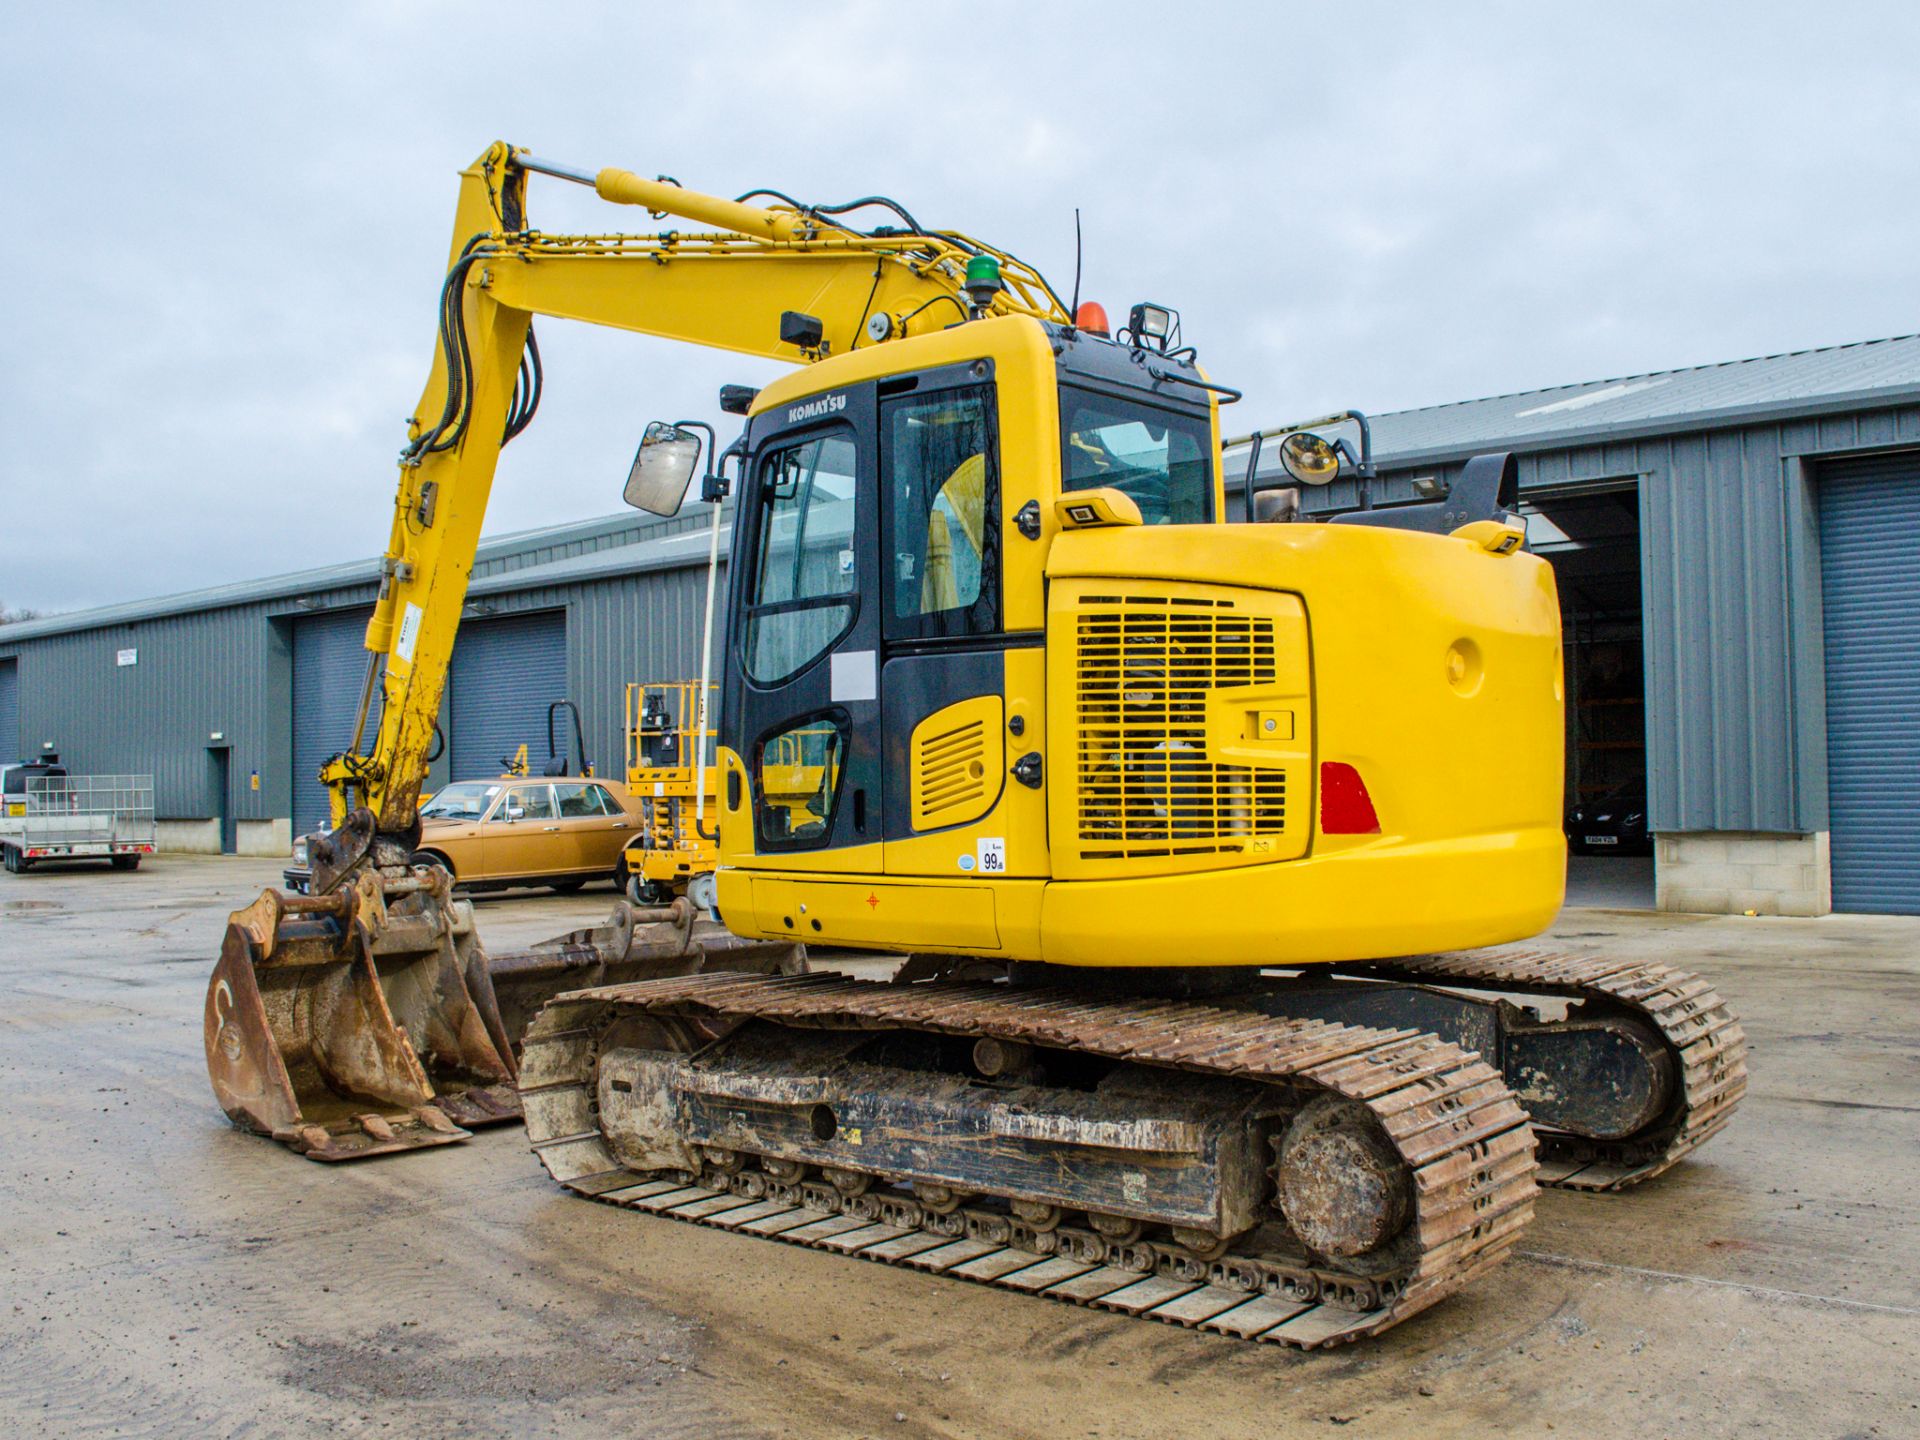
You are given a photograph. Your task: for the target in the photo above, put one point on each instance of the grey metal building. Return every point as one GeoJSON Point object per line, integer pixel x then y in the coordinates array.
{"type": "Point", "coordinates": [1737, 546]}
{"type": "Point", "coordinates": [232, 697]}
{"type": "Point", "coordinates": [1738, 553]}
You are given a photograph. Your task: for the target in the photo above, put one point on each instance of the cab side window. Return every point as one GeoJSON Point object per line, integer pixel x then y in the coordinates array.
{"type": "Point", "coordinates": [939, 470]}
{"type": "Point", "coordinates": [803, 579]}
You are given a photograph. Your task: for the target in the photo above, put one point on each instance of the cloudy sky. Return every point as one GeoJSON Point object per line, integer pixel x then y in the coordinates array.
{"type": "Point", "coordinates": [230, 221]}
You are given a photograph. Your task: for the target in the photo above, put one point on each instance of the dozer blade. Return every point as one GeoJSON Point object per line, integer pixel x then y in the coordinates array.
{"type": "Point", "coordinates": [370, 1020]}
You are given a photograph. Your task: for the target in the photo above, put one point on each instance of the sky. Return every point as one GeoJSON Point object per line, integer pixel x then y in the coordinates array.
{"type": "Point", "coordinates": [230, 222]}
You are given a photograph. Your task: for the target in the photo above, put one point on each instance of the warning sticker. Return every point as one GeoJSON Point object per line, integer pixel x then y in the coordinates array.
{"type": "Point", "coordinates": [409, 633]}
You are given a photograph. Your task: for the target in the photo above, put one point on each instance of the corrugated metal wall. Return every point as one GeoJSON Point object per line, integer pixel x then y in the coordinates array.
{"type": "Point", "coordinates": [635, 628]}
{"type": "Point", "coordinates": [10, 747]}
{"type": "Point", "coordinates": [505, 675]}
{"type": "Point", "coordinates": [225, 671]}
{"type": "Point", "coordinates": [329, 672]}
{"type": "Point", "coordinates": [1736, 710]}
{"type": "Point", "coordinates": [1870, 564]}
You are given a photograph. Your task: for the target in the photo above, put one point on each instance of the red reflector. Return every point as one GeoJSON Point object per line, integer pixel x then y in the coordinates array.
{"type": "Point", "coordinates": [1345, 806]}
{"type": "Point", "coordinates": [1092, 318]}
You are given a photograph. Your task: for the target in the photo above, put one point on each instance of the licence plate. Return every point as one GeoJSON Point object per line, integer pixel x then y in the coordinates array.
{"type": "Point", "coordinates": [1602, 839]}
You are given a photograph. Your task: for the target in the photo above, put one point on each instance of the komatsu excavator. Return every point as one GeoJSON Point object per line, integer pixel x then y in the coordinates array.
{"type": "Point", "coordinates": [1191, 836]}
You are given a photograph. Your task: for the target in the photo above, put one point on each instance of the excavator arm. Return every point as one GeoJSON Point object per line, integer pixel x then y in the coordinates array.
{"type": "Point", "coordinates": [365, 1017]}
{"type": "Point", "coordinates": [725, 287]}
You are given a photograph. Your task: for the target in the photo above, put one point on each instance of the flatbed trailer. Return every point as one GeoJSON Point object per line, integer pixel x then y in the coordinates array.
{"type": "Point", "coordinates": [62, 817]}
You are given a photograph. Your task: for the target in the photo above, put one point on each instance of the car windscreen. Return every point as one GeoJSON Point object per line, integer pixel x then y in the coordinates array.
{"type": "Point", "coordinates": [467, 800]}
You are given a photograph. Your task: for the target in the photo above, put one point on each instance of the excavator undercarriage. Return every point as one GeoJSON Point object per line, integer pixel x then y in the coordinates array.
{"type": "Point", "coordinates": [1261, 1163]}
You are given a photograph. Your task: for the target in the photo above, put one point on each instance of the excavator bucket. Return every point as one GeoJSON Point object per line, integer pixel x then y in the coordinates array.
{"type": "Point", "coordinates": [370, 1020]}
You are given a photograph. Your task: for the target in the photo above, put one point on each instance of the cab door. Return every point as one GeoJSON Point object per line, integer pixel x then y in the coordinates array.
{"type": "Point", "coordinates": [945, 682]}
{"type": "Point", "coordinates": [802, 706]}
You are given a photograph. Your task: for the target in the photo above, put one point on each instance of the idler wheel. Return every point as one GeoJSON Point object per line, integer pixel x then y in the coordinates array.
{"type": "Point", "coordinates": [1120, 1229]}
{"type": "Point", "coordinates": [1341, 1185]}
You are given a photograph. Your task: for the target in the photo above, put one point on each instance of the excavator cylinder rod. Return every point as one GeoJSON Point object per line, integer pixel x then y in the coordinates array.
{"type": "Point", "coordinates": [623, 187]}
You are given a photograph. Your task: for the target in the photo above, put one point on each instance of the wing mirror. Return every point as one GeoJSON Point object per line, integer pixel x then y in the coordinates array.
{"type": "Point", "coordinates": [1308, 458]}
{"type": "Point", "coordinates": [516, 812]}
{"type": "Point", "coordinates": [662, 469]}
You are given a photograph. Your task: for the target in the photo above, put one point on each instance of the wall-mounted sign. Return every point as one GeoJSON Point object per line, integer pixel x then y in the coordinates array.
{"type": "Point", "coordinates": [129, 656]}
{"type": "Point", "coordinates": [253, 779]}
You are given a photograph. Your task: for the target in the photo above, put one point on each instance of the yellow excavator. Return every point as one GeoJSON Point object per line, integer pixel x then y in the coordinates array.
{"type": "Point", "coordinates": [1191, 837]}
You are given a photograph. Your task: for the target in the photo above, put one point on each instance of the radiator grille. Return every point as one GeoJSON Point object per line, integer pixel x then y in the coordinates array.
{"type": "Point", "coordinates": [1146, 665]}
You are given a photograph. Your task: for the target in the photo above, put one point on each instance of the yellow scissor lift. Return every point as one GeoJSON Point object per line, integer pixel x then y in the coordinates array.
{"type": "Point", "coordinates": [677, 844]}
{"type": "Point", "coordinates": [665, 774]}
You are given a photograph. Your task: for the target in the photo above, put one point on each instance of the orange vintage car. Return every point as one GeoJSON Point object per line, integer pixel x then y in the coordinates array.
{"type": "Point", "coordinates": [529, 831]}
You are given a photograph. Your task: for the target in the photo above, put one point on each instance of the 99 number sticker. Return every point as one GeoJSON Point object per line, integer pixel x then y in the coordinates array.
{"type": "Point", "coordinates": [992, 854]}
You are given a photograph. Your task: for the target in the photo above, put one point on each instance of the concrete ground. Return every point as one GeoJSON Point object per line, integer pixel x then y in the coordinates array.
{"type": "Point", "coordinates": [165, 1274]}
{"type": "Point", "coordinates": [1610, 882]}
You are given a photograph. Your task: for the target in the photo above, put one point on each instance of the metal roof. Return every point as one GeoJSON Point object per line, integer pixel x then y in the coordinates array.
{"type": "Point", "coordinates": [1861, 375]}
{"type": "Point", "coordinates": [493, 565]}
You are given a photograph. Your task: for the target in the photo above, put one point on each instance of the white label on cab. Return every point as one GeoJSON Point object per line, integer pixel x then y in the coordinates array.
{"type": "Point", "coordinates": [992, 852]}
{"type": "Point", "coordinates": [409, 633]}
{"type": "Point", "coordinates": [855, 675]}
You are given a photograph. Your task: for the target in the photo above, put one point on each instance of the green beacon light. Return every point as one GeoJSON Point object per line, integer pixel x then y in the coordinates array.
{"type": "Point", "coordinates": [983, 282]}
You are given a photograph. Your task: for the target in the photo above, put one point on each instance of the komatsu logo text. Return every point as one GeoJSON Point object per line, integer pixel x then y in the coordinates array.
{"type": "Point", "coordinates": [814, 409]}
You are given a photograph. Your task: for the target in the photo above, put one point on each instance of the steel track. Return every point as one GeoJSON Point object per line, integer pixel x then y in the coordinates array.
{"type": "Point", "coordinates": [1707, 1043]}
{"type": "Point", "coordinates": [1452, 1121]}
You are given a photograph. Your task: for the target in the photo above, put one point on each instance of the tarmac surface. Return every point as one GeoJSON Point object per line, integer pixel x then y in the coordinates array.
{"type": "Point", "coordinates": [165, 1274]}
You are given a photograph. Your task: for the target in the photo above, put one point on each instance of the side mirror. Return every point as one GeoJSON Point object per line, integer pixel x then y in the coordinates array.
{"type": "Point", "coordinates": [515, 812]}
{"type": "Point", "coordinates": [662, 469]}
{"type": "Point", "coordinates": [1308, 458]}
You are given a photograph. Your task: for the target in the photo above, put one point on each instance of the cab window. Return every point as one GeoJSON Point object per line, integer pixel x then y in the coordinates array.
{"type": "Point", "coordinates": [803, 579]}
{"type": "Point", "coordinates": [1158, 458]}
{"type": "Point", "coordinates": [938, 468]}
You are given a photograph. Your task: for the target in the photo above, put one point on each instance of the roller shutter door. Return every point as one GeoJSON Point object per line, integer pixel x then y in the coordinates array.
{"type": "Point", "coordinates": [1870, 578]}
{"type": "Point", "coordinates": [329, 667]}
{"type": "Point", "coordinates": [505, 674]}
{"type": "Point", "coordinates": [10, 748]}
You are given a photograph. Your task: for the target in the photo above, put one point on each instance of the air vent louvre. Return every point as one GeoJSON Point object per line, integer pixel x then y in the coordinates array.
{"type": "Point", "coordinates": [1146, 665]}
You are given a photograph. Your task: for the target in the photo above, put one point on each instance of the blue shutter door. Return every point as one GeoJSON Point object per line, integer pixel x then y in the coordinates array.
{"type": "Point", "coordinates": [329, 668]}
{"type": "Point", "coordinates": [10, 747]}
{"type": "Point", "coordinates": [1870, 585]}
{"type": "Point", "coordinates": [506, 673]}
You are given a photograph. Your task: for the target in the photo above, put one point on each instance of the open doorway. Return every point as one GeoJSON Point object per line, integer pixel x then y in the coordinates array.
{"type": "Point", "coordinates": [220, 783]}
{"type": "Point", "coordinates": [1591, 537]}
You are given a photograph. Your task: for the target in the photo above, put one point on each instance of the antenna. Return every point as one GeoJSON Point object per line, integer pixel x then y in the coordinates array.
{"type": "Point", "coordinates": [1073, 315]}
